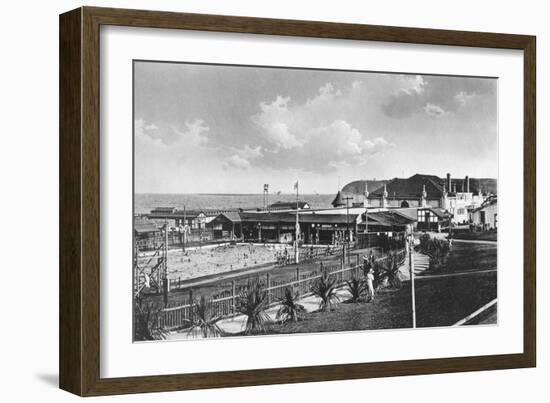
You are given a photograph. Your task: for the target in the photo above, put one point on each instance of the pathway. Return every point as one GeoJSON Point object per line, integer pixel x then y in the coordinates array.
{"type": "Point", "coordinates": [421, 264]}
{"type": "Point", "coordinates": [237, 324]}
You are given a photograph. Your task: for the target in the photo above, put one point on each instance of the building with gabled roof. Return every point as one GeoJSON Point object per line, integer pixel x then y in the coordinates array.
{"type": "Point", "coordinates": [422, 191]}
{"type": "Point", "coordinates": [281, 205]}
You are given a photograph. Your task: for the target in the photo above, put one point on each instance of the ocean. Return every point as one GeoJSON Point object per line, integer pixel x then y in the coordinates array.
{"type": "Point", "coordinates": [145, 202]}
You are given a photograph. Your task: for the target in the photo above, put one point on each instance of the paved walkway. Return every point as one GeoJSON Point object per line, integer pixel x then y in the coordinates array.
{"type": "Point", "coordinates": [421, 264]}
{"type": "Point", "coordinates": [475, 241]}
{"type": "Point", "coordinates": [237, 324]}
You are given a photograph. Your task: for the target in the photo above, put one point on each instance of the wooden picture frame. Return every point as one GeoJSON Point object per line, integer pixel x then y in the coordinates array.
{"type": "Point", "coordinates": [79, 347]}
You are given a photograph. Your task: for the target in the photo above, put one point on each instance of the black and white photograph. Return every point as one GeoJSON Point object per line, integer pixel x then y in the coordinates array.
{"type": "Point", "coordinates": [273, 200]}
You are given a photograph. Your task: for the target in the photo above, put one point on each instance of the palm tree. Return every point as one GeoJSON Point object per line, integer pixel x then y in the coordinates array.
{"type": "Point", "coordinates": [204, 320]}
{"type": "Point", "coordinates": [252, 303]}
{"type": "Point", "coordinates": [325, 288]}
{"type": "Point", "coordinates": [356, 288]}
{"type": "Point", "coordinates": [391, 269]}
{"type": "Point", "coordinates": [290, 309]}
{"type": "Point", "coordinates": [146, 322]}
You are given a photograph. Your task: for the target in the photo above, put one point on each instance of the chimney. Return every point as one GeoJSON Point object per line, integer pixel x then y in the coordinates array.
{"type": "Point", "coordinates": [467, 184]}
{"type": "Point", "coordinates": [449, 182]}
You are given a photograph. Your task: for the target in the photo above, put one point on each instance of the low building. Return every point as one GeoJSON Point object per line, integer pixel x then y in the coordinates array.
{"type": "Point", "coordinates": [485, 217]}
{"type": "Point", "coordinates": [147, 235]}
{"type": "Point", "coordinates": [226, 226]}
{"type": "Point", "coordinates": [432, 219]}
{"type": "Point", "coordinates": [280, 205]}
{"type": "Point", "coordinates": [314, 227]}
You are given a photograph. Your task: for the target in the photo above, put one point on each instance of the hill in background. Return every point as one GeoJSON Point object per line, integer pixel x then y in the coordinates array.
{"type": "Point", "coordinates": [357, 188]}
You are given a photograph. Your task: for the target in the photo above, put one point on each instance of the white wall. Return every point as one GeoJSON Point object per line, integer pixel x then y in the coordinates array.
{"type": "Point", "coordinates": [29, 172]}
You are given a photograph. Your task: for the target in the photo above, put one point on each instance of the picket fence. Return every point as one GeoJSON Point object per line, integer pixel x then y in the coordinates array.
{"type": "Point", "coordinates": [224, 305]}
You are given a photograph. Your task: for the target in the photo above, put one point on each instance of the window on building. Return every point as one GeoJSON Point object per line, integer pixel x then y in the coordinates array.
{"type": "Point", "coordinates": [422, 215]}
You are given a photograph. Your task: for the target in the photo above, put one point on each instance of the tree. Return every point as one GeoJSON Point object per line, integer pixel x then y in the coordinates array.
{"type": "Point", "coordinates": [290, 309]}
{"type": "Point", "coordinates": [325, 289]}
{"type": "Point", "coordinates": [386, 271]}
{"type": "Point", "coordinates": [146, 321]}
{"type": "Point", "coordinates": [437, 250]}
{"type": "Point", "coordinates": [204, 319]}
{"type": "Point", "coordinates": [252, 303]}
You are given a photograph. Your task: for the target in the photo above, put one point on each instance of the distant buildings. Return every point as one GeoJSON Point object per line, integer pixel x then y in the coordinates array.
{"type": "Point", "coordinates": [399, 206]}
{"type": "Point", "coordinates": [455, 197]}
{"type": "Point", "coordinates": [289, 205]}
{"type": "Point", "coordinates": [485, 217]}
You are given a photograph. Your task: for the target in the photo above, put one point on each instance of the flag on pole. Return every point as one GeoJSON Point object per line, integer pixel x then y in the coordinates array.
{"type": "Point", "coordinates": [296, 185]}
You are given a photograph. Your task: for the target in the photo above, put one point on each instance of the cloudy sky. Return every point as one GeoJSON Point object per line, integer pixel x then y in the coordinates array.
{"type": "Point", "coordinates": [230, 129]}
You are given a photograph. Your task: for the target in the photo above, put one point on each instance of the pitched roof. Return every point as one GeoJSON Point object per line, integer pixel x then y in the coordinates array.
{"type": "Point", "coordinates": [488, 202]}
{"type": "Point", "coordinates": [143, 227]}
{"type": "Point", "coordinates": [411, 187]}
{"type": "Point", "coordinates": [338, 200]}
{"type": "Point", "coordinates": [389, 219]}
{"type": "Point", "coordinates": [303, 218]}
{"type": "Point", "coordinates": [232, 216]}
{"type": "Point", "coordinates": [289, 205]}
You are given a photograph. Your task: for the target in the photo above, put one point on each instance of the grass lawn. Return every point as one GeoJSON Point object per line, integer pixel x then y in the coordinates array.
{"type": "Point", "coordinates": [476, 236]}
{"type": "Point", "coordinates": [439, 302]}
{"type": "Point", "coordinates": [469, 257]}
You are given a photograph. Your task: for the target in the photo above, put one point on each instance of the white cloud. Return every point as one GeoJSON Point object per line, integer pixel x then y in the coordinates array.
{"type": "Point", "coordinates": [463, 97]}
{"type": "Point", "coordinates": [272, 120]}
{"type": "Point", "coordinates": [194, 133]}
{"type": "Point", "coordinates": [412, 85]}
{"type": "Point", "coordinates": [327, 93]}
{"type": "Point", "coordinates": [434, 110]}
{"type": "Point", "coordinates": [235, 161]}
{"type": "Point", "coordinates": [376, 142]}
{"type": "Point", "coordinates": [251, 153]}
{"type": "Point", "coordinates": [316, 134]}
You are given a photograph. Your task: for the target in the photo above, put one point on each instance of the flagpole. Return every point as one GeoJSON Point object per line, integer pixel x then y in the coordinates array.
{"type": "Point", "coordinates": [296, 253]}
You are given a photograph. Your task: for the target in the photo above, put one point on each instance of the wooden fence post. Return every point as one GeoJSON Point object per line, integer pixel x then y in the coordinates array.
{"type": "Point", "coordinates": [191, 305]}
{"type": "Point", "coordinates": [268, 286]}
{"type": "Point", "coordinates": [166, 290]}
{"type": "Point", "coordinates": [233, 300]}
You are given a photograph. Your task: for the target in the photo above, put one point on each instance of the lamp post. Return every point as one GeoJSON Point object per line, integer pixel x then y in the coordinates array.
{"type": "Point", "coordinates": [411, 269]}
{"type": "Point", "coordinates": [347, 239]}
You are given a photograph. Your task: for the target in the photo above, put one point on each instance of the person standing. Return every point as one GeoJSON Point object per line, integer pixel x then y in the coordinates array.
{"type": "Point", "coordinates": [370, 284]}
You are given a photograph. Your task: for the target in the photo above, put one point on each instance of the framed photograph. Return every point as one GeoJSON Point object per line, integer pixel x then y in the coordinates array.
{"type": "Point", "coordinates": [249, 201]}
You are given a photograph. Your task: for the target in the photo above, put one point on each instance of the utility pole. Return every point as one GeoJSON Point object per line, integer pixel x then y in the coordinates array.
{"type": "Point", "coordinates": [165, 284]}
{"type": "Point", "coordinates": [348, 238]}
{"type": "Point", "coordinates": [184, 228]}
{"type": "Point", "coordinates": [297, 229]}
{"type": "Point", "coordinates": [411, 268]}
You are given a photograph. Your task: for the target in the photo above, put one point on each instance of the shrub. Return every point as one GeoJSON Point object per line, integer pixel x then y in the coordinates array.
{"type": "Point", "coordinates": [386, 271]}
{"type": "Point", "coordinates": [290, 309]}
{"type": "Point", "coordinates": [325, 289]}
{"type": "Point", "coordinates": [204, 320]}
{"type": "Point", "coordinates": [252, 303]}
{"type": "Point", "coordinates": [437, 249]}
{"type": "Point", "coordinates": [356, 288]}
{"type": "Point", "coordinates": [146, 321]}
